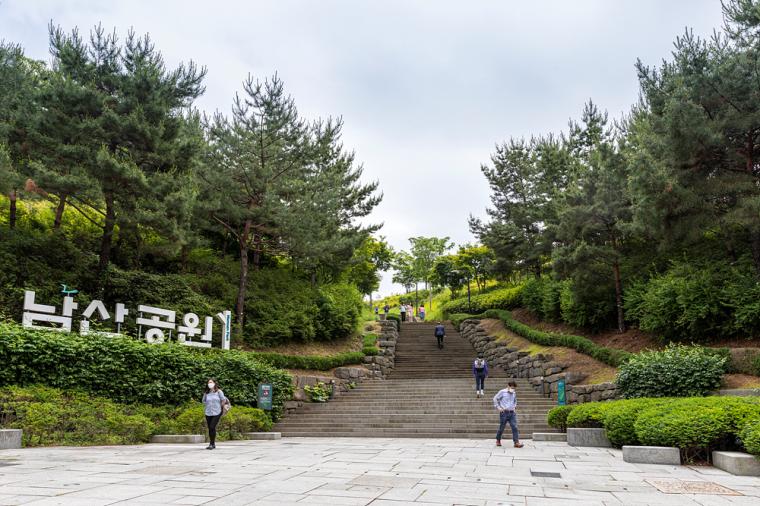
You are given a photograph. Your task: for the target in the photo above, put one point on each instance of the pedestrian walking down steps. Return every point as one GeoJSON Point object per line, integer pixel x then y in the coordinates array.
{"type": "Point", "coordinates": [480, 372]}
{"type": "Point", "coordinates": [506, 402]}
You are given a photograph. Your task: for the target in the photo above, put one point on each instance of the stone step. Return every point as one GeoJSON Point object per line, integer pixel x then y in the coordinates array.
{"type": "Point", "coordinates": [416, 435]}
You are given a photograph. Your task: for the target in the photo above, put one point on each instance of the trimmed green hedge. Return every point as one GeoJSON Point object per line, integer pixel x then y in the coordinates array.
{"type": "Point", "coordinates": [502, 298]}
{"type": "Point", "coordinates": [309, 362]}
{"type": "Point", "coordinates": [129, 371]}
{"type": "Point", "coordinates": [557, 417]}
{"type": "Point", "coordinates": [49, 416]}
{"type": "Point", "coordinates": [696, 425]}
{"type": "Point", "coordinates": [580, 344]}
{"type": "Point", "coordinates": [676, 371]}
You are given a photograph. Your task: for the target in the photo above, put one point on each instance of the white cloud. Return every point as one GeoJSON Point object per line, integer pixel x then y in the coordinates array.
{"type": "Point", "coordinates": [426, 88]}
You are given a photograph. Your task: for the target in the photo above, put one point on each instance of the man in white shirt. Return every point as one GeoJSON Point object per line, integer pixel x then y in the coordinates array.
{"type": "Point", "coordinates": [506, 402]}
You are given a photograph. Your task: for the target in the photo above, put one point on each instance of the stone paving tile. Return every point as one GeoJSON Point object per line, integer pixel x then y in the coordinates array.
{"type": "Point", "coordinates": [351, 471]}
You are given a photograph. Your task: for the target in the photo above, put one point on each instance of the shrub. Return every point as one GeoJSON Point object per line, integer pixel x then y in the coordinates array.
{"type": "Point", "coordinates": [692, 427]}
{"type": "Point", "coordinates": [191, 420]}
{"type": "Point", "coordinates": [541, 296]}
{"type": "Point", "coordinates": [623, 422]}
{"type": "Point", "coordinates": [676, 371]}
{"type": "Point", "coordinates": [338, 310]}
{"type": "Point", "coordinates": [750, 437]}
{"type": "Point", "coordinates": [590, 414]}
{"type": "Point", "coordinates": [503, 298]}
{"type": "Point", "coordinates": [583, 345]}
{"type": "Point", "coordinates": [319, 392]}
{"type": "Point", "coordinates": [129, 371]}
{"type": "Point", "coordinates": [50, 417]}
{"type": "Point", "coordinates": [309, 362]}
{"type": "Point", "coordinates": [693, 302]}
{"type": "Point", "coordinates": [621, 416]}
{"type": "Point", "coordinates": [557, 417]}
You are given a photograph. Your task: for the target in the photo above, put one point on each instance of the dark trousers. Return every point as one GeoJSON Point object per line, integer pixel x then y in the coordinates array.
{"type": "Point", "coordinates": [440, 341]}
{"type": "Point", "coordinates": [212, 422]}
{"type": "Point", "coordinates": [403, 316]}
{"type": "Point", "coordinates": [508, 417]}
{"type": "Point", "coordinates": [480, 382]}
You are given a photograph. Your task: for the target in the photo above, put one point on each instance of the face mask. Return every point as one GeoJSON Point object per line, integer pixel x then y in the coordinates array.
{"type": "Point", "coordinates": [211, 386]}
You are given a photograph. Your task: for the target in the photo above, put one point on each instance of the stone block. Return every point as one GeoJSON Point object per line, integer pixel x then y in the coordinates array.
{"type": "Point", "coordinates": [179, 439]}
{"type": "Point", "coordinates": [738, 463]}
{"type": "Point", "coordinates": [588, 437]}
{"type": "Point", "coordinates": [262, 436]}
{"type": "Point", "coordinates": [550, 436]}
{"type": "Point", "coordinates": [652, 455]}
{"type": "Point", "coordinates": [10, 439]}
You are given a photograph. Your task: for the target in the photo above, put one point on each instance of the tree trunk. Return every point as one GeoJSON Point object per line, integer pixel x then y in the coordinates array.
{"type": "Point", "coordinates": [242, 287]}
{"type": "Point", "coordinates": [107, 239]}
{"type": "Point", "coordinates": [243, 281]}
{"type": "Point", "coordinates": [59, 211]}
{"type": "Point", "coordinates": [12, 214]}
{"type": "Point", "coordinates": [619, 297]}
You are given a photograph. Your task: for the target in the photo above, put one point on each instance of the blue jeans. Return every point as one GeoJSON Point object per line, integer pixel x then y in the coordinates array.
{"type": "Point", "coordinates": [509, 417]}
{"type": "Point", "coordinates": [480, 382]}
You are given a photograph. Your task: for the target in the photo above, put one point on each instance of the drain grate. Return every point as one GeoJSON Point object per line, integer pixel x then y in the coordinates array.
{"type": "Point", "coordinates": [544, 474]}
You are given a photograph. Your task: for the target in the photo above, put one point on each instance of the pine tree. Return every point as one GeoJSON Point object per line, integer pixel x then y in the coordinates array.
{"type": "Point", "coordinates": [130, 107]}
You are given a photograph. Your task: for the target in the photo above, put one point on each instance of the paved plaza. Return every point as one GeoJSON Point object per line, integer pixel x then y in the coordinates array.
{"type": "Point", "coordinates": [357, 471]}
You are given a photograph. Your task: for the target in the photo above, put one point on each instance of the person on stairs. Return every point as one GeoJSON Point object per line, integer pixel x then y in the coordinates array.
{"type": "Point", "coordinates": [440, 333]}
{"type": "Point", "coordinates": [506, 402]}
{"type": "Point", "coordinates": [480, 371]}
{"type": "Point", "coordinates": [402, 310]}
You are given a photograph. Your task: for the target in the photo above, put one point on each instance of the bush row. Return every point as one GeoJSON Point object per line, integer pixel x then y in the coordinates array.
{"type": "Point", "coordinates": [48, 416]}
{"type": "Point", "coordinates": [310, 362]}
{"type": "Point", "coordinates": [502, 298]}
{"type": "Point", "coordinates": [697, 302]}
{"type": "Point", "coordinates": [696, 425]}
{"type": "Point", "coordinates": [583, 345]}
{"type": "Point", "coordinates": [128, 371]}
{"type": "Point", "coordinates": [588, 306]}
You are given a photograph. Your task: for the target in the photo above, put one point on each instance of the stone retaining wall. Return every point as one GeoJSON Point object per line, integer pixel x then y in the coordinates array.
{"type": "Point", "coordinates": [540, 369]}
{"type": "Point", "coordinates": [342, 378]}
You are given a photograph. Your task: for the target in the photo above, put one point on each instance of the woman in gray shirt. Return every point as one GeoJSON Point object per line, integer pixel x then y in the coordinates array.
{"type": "Point", "coordinates": [213, 400]}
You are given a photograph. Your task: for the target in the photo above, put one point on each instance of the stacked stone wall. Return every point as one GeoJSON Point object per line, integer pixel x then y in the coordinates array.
{"type": "Point", "coordinates": [541, 369]}
{"type": "Point", "coordinates": [344, 378]}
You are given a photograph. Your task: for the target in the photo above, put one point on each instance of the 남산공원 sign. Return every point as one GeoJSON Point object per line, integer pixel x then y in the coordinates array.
{"type": "Point", "coordinates": [155, 325]}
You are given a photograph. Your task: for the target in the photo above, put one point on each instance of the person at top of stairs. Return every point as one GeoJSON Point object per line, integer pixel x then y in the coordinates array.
{"type": "Point", "coordinates": [440, 333]}
{"type": "Point", "coordinates": [480, 371]}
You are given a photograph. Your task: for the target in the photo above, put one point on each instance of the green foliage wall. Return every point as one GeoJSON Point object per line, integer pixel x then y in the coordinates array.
{"type": "Point", "coordinates": [129, 371]}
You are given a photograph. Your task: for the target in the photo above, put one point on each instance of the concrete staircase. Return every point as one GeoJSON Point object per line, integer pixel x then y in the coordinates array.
{"type": "Point", "coordinates": [430, 394]}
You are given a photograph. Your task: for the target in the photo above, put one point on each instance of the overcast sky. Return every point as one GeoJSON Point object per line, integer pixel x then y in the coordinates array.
{"type": "Point", "coordinates": [426, 88]}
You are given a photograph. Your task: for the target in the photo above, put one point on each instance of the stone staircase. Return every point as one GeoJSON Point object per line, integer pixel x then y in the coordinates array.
{"type": "Point", "coordinates": [429, 394]}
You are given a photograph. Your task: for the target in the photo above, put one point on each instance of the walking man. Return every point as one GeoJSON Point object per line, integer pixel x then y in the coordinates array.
{"type": "Point", "coordinates": [506, 402]}
{"type": "Point", "coordinates": [480, 371]}
{"type": "Point", "coordinates": [440, 333]}
{"type": "Point", "coordinates": [402, 310]}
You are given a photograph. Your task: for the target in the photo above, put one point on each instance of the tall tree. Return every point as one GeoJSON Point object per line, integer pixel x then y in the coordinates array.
{"type": "Point", "coordinates": [372, 257]}
{"type": "Point", "coordinates": [595, 222]}
{"type": "Point", "coordinates": [133, 120]}
{"type": "Point", "coordinates": [425, 251]}
{"type": "Point", "coordinates": [479, 261]}
{"type": "Point", "coordinates": [703, 135]}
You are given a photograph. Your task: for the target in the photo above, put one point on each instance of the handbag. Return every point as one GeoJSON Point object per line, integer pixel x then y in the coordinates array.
{"type": "Point", "coordinates": [226, 405]}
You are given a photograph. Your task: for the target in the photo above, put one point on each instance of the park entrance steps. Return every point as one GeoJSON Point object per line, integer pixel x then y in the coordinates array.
{"type": "Point", "coordinates": [429, 394]}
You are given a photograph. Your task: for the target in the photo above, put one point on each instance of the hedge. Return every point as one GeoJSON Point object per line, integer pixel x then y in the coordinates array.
{"type": "Point", "coordinates": [129, 371]}
{"type": "Point", "coordinates": [696, 425]}
{"type": "Point", "coordinates": [502, 298]}
{"type": "Point", "coordinates": [49, 416]}
{"type": "Point", "coordinates": [580, 344]}
{"type": "Point", "coordinates": [310, 362]}
{"type": "Point", "coordinates": [557, 417]}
